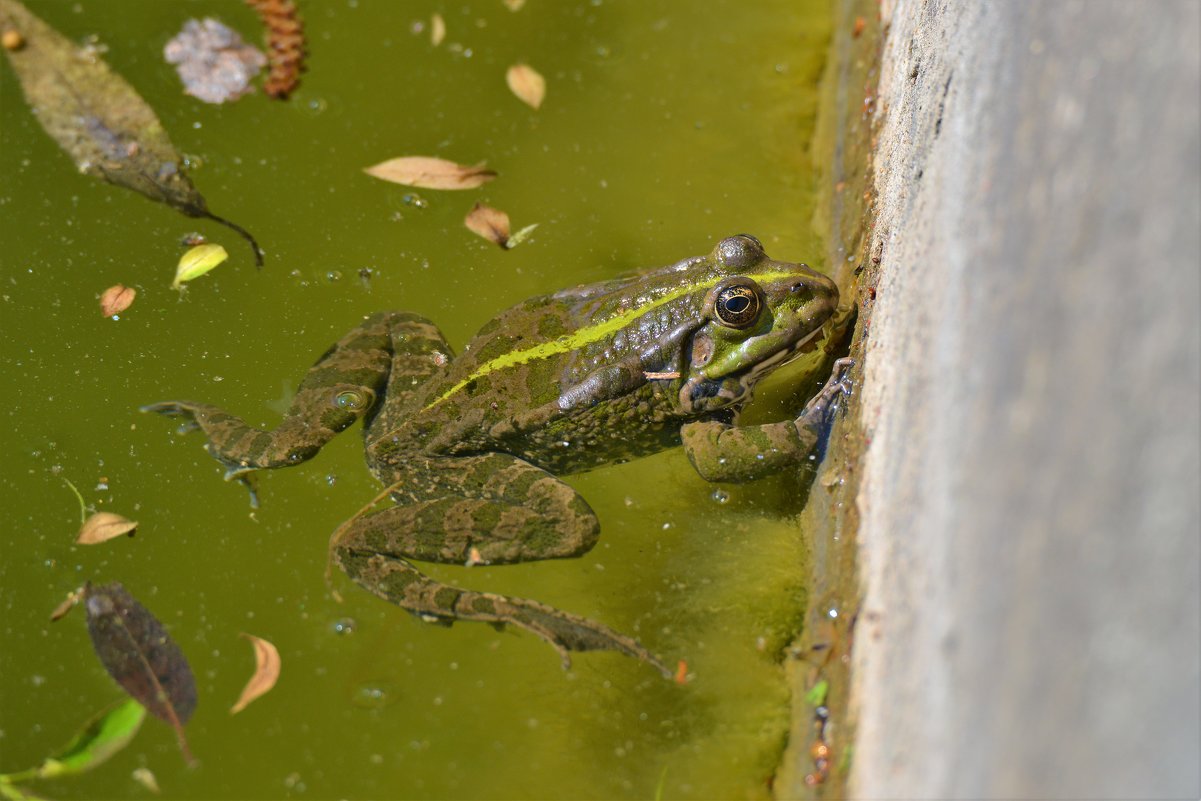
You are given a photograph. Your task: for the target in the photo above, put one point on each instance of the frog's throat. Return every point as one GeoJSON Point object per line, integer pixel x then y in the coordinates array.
{"type": "Point", "coordinates": [590, 333]}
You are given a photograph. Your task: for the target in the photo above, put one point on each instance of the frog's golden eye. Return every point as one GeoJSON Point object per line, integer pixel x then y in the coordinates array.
{"type": "Point", "coordinates": [354, 400]}
{"type": "Point", "coordinates": [738, 305]}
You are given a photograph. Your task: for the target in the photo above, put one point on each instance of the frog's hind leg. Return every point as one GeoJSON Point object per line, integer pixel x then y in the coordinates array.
{"type": "Point", "coordinates": [394, 579]}
{"type": "Point", "coordinates": [344, 385]}
{"type": "Point", "coordinates": [489, 508]}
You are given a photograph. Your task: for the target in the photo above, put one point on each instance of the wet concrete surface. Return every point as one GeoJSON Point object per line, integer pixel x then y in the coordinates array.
{"type": "Point", "coordinates": [1030, 536]}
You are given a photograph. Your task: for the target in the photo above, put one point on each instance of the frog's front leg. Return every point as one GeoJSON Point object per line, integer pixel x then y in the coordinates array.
{"type": "Point", "coordinates": [723, 452]}
{"type": "Point", "coordinates": [491, 508]}
{"type": "Point", "coordinates": [344, 385]}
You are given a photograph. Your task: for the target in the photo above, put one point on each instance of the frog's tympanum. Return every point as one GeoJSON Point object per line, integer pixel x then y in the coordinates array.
{"type": "Point", "coordinates": [470, 446]}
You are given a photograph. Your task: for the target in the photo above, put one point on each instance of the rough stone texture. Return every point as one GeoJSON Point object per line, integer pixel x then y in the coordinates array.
{"type": "Point", "coordinates": [1031, 531]}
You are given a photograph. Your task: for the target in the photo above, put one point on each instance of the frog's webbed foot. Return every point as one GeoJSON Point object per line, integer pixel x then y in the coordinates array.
{"type": "Point", "coordinates": [839, 384]}
{"type": "Point", "coordinates": [175, 409]}
{"type": "Point", "coordinates": [395, 580]}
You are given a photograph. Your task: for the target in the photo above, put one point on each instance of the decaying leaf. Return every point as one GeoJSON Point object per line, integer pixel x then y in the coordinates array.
{"type": "Point", "coordinates": [527, 83]}
{"type": "Point", "coordinates": [140, 655]}
{"type": "Point", "coordinates": [437, 30]}
{"type": "Point", "coordinates": [104, 526]}
{"type": "Point", "coordinates": [430, 173]}
{"type": "Point", "coordinates": [266, 672]}
{"type": "Point", "coordinates": [198, 261]}
{"type": "Point", "coordinates": [98, 119]}
{"type": "Point", "coordinates": [492, 224]}
{"type": "Point", "coordinates": [116, 299]}
{"type": "Point", "coordinates": [100, 738]}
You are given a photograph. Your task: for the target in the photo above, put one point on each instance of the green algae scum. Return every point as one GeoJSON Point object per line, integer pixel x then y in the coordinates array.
{"type": "Point", "coordinates": [662, 131]}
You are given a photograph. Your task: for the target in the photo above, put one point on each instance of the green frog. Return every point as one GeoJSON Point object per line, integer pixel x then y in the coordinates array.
{"type": "Point", "coordinates": [470, 447]}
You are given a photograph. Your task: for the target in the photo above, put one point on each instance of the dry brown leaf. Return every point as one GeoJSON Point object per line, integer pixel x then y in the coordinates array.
{"type": "Point", "coordinates": [116, 299]}
{"type": "Point", "coordinates": [266, 672]}
{"type": "Point", "coordinates": [492, 224]}
{"type": "Point", "coordinates": [437, 30]}
{"type": "Point", "coordinates": [69, 603]}
{"type": "Point", "coordinates": [527, 83]}
{"type": "Point", "coordinates": [430, 173]}
{"type": "Point", "coordinates": [104, 526]}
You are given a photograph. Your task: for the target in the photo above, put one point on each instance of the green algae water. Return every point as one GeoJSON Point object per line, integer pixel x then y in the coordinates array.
{"type": "Point", "coordinates": [666, 126]}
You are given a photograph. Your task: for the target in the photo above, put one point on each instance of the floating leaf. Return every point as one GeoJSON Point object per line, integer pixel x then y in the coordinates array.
{"type": "Point", "coordinates": [266, 672]}
{"type": "Point", "coordinates": [526, 82]}
{"type": "Point", "coordinates": [116, 299]}
{"type": "Point", "coordinates": [198, 261]}
{"type": "Point", "coordinates": [492, 224]}
{"type": "Point", "coordinates": [430, 173]}
{"type": "Point", "coordinates": [140, 655]}
{"type": "Point", "coordinates": [437, 30]}
{"type": "Point", "coordinates": [681, 675]}
{"type": "Point", "coordinates": [521, 235]}
{"type": "Point", "coordinates": [145, 777]}
{"type": "Point", "coordinates": [98, 119]}
{"type": "Point", "coordinates": [69, 603]}
{"type": "Point", "coordinates": [102, 736]}
{"type": "Point", "coordinates": [104, 526]}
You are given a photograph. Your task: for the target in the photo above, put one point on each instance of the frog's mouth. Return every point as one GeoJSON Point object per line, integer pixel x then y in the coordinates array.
{"type": "Point", "coordinates": [702, 393]}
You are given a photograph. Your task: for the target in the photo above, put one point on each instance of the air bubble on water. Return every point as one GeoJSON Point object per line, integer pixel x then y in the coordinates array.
{"type": "Point", "coordinates": [344, 625]}
{"type": "Point", "coordinates": [331, 479]}
{"type": "Point", "coordinates": [415, 200]}
{"type": "Point", "coordinates": [721, 496]}
{"type": "Point", "coordinates": [333, 276]}
{"type": "Point", "coordinates": [373, 695]}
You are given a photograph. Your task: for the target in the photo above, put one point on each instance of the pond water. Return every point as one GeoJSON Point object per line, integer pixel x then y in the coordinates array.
{"type": "Point", "coordinates": [663, 130]}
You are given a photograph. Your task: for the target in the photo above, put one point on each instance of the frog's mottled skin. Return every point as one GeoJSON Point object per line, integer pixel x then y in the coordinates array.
{"type": "Point", "coordinates": [469, 447]}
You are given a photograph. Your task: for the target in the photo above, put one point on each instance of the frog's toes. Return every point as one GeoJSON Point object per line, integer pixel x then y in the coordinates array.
{"type": "Point", "coordinates": [175, 409]}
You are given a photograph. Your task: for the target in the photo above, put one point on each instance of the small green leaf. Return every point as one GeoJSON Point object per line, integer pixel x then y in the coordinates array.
{"type": "Point", "coordinates": [519, 237]}
{"type": "Point", "coordinates": [100, 738]}
{"type": "Point", "coordinates": [198, 261]}
{"type": "Point", "coordinates": [103, 736]}
{"type": "Point", "coordinates": [817, 693]}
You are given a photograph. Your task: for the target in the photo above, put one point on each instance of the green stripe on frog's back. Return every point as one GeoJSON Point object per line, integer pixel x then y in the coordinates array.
{"type": "Point", "coordinates": [590, 333]}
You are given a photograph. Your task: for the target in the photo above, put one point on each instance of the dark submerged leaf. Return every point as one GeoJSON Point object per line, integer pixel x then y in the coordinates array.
{"type": "Point", "coordinates": [140, 655]}
{"type": "Point", "coordinates": [98, 119]}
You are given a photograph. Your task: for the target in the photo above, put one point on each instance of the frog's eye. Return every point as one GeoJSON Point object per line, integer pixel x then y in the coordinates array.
{"type": "Point", "coordinates": [354, 400]}
{"type": "Point", "coordinates": [737, 305]}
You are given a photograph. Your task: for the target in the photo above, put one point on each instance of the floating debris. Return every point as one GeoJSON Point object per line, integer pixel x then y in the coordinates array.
{"type": "Point", "coordinates": [527, 84]}
{"type": "Point", "coordinates": [285, 45]}
{"type": "Point", "coordinates": [213, 61]}
{"type": "Point", "coordinates": [116, 299]}
{"type": "Point", "coordinates": [430, 173]}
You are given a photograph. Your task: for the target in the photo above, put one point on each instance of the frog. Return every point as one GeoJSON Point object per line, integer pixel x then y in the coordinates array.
{"type": "Point", "coordinates": [471, 448]}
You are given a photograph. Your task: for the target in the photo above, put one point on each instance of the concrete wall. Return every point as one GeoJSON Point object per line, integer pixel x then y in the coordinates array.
{"type": "Point", "coordinates": [1031, 502]}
